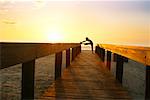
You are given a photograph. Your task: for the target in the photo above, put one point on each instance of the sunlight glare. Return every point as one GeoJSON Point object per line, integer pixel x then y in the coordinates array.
{"type": "Point", "coordinates": [55, 37]}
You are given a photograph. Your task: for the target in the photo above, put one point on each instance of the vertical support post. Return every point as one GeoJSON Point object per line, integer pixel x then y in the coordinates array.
{"type": "Point", "coordinates": [28, 70]}
{"type": "Point", "coordinates": [108, 60]}
{"type": "Point", "coordinates": [119, 68]}
{"type": "Point", "coordinates": [103, 54]}
{"type": "Point", "coordinates": [114, 57]}
{"type": "Point", "coordinates": [125, 59]}
{"type": "Point", "coordinates": [96, 49]}
{"type": "Point", "coordinates": [73, 53]}
{"type": "Point", "coordinates": [58, 63]}
{"type": "Point", "coordinates": [80, 48]}
{"type": "Point", "coordinates": [68, 57]}
{"type": "Point", "coordinates": [99, 52]}
{"type": "Point", "coordinates": [147, 88]}
{"type": "Point", "coordinates": [76, 51]}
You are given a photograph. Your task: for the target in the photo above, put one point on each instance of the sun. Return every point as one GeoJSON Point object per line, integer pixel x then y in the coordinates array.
{"type": "Point", "coordinates": [55, 37]}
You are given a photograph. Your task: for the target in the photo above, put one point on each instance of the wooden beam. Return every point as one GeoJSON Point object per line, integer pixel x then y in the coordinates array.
{"type": "Point", "coordinates": [67, 57]}
{"type": "Point", "coordinates": [125, 59]}
{"type": "Point", "coordinates": [80, 48]}
{"type": "Point", "coordinates": [119, 68]}
{"type": "Point", "coordinates": [108, 64]}
{"type": "Point", "coordinates": [137, 53]}
{"type": "Point", "coordinates": [28, 70]}
{"type": "Point", "coordinates": [58, 64]}
{"type": "Point", "coordinates": [96, 49]}
{"type": "Point", "coordinates": [15, 53]}
{"type": "Point", "coordinates": [114, 57]}
{"type": "Point", "coordinates": [147, 88]}
{"type": "Point", "coordinates": [103, 54]}
{"type": "Point", "coordinates": [73, 53]}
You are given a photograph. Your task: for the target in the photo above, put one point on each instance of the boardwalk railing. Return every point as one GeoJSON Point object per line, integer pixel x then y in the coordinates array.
{"type": "Point", "coordinates": [121, 55]}
{"type": "Point", "coordinates": [26, 53]}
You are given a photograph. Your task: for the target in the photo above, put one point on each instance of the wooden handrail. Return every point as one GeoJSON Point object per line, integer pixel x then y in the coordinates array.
{"type": "Point", "coordinates": [15, 53]}
{"type": "Point", "coordinates": [27, 53]}
{"type": "Point", "coordinates": [137, 53]}
{"type": "Point", "coordinates": [121, 54]}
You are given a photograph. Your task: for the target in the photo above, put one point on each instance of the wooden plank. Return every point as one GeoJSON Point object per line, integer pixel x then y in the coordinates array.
{"type": "Point", "coordinates": [86, 79]}
{"type": "Point", "coordinates": [137, 53]}
{"type": "Point", "coordinates": [58, 64]}
{"type": "Point", "coordinates": [12, 54]}
{"type": "Point", "coordinates": [15, 53]}
{"type": "Point", "coordinates": [28, 70]}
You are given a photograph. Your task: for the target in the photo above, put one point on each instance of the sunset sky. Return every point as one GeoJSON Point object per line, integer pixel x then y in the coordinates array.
{"type": "Point", "coordinates": [103, 21]}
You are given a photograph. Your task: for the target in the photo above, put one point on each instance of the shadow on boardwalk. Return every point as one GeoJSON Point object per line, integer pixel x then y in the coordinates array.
{"type": "Point", "coordinates": [86, 78]}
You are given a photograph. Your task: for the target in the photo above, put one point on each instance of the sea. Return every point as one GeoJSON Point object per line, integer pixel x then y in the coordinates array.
{"type": "Point", "coordinates": [10, 78]}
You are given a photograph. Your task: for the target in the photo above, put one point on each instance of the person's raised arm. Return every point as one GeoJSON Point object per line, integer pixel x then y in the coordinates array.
{"type": "Point", "coordinates": [82, 42]}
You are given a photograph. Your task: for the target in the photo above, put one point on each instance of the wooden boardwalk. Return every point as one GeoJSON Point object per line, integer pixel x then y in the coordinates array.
{"type": "Point", "coordinates": [86, 79]}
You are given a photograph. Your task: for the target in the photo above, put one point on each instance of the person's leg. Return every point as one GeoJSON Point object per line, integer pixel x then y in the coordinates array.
{"type": "Point", "coordinates": [92, 47]}
{"type": "Point", "coordinates": [87, 43]}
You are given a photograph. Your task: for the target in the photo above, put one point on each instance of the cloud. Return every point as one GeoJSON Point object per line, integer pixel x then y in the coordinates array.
{"type": "Point", "coordinates": [9, 22]}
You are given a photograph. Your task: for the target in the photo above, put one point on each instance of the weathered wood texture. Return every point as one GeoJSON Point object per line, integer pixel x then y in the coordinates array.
{"type": "Point", "coordinates": [58, 64]}
{"type": "Point", "coordinates": [68, 57]}
{"type": "Point", "coordinates": [100, 52]}
{"type": "Point", "coordinates": [137, 53]}
{"type": "Point", "coordinates": [86, 79]}
{"type": "Point", "coordinates": [147, 88]}
{"type": "Point", "coordinates": [119, 68]}
{"type": "Point", "coordinates": [15, 53]}
{"type": "Point", "coordinates": [28, 70]}
{"type": "Point", "coordinates": [108, 64]}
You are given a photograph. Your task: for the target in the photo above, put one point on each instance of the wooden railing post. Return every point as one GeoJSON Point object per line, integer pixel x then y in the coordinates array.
{"type": "Point", "coordinates": [58, 63]}
{"type": "Point", "coordinates": [108, 60]}
{"type": "Point", "coordinates": [100, 52]}
{"type": "Point", "coordinates": [119, 68]}
{"type": "Point", "coordinates": [125, 59]}
{"type": "Point", "coordinates": [147, 88]}
{"type": "Point", "coordinates": [96, 49]}
{"type": "Point", "coordinates": [76, 51]}
{"type": "Point", "coordinates": [103, 55]}
{"type": "Point", "coordinates": [80, 48]}
{"type": "Point", "coordinates": [114, 57]}
{"type": "Point", "coordinates": [73, 53]}
{"type": "Point", "coordinates": [28, 70]}
{"type": "Point", "coordinates": [68, 57]}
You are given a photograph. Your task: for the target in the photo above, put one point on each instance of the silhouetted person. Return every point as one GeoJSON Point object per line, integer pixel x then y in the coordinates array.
{"type": "Point", "coordinates": [90, 42]}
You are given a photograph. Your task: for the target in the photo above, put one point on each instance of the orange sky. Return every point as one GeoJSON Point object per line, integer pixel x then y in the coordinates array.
{"type": "Point", "coordinates": [71, 21]}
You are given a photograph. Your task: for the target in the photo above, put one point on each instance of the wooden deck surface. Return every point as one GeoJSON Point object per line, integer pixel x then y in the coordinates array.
{"type": "Point", "coordinates": [86, 79]}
